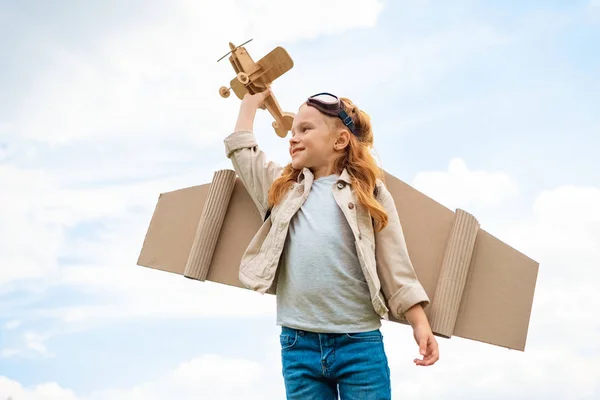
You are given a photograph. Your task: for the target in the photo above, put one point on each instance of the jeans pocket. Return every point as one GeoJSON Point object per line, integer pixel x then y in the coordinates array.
{"type": "Point", "coordinates": [288, 340]}
{"type": "Point", "coordinates": [370, 336]}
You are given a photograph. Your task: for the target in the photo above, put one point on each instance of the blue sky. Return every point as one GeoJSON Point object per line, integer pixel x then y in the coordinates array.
{"type": "Point", "coordinates": [488, 107]}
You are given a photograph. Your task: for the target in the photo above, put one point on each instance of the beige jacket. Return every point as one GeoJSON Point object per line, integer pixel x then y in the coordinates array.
{"type": "Point", "coordinates": [383, 256]}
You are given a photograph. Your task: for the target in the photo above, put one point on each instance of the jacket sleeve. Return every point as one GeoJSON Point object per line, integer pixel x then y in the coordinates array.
{"type": "Point", "coordinates": [251, 165]}
{"type": "Point", "coordinates": [398, 278]}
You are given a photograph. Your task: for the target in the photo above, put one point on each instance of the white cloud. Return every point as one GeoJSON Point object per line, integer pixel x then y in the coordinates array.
{"type": "Point", "coordinates": [570, 206]}
{"type": "Point", "coordinates": [9, 352]}
{"type": "Point", "coordinates": [563, 234]}
{"type": "Point", "coordinates": [459, 187]}
{"type": "Point", "coordinates": [12, 390]}
{"type": "Point", "coordinates": [36, 211]}
{"type": "Point", "coordinates": [12, 324]}
{"type": "Point", "coordinates": [35, 342]}
{"type": "Point", "coordinates": [466, 370]}
{"type": "Point", "coordinates": [30, 344]}
{"type": "Point", "coordinates": [549, 368]}
{"type": "Point", "coordinates": [286, 21]}
{"type": "Point", "coordinates": [217, 370]}
{"type": "Point", "coordinates": [29, 239]}
{"type": "Point", "coordinates": [42, 213]}
{"type": "Point", "coordinates": [162, 74]}
{"type": "Point", "coordinates": [209, 376]}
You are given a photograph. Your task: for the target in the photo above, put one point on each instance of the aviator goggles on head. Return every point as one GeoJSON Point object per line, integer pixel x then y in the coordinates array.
{"type": "Point", "coordinates": [330, 104]}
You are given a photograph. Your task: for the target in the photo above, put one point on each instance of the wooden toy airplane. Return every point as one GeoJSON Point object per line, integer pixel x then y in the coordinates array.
{"type": "Point", "coordinates": [255, 77]}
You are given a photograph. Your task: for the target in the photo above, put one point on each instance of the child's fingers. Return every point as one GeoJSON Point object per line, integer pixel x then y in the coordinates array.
{"type": "Point", "coordinates": [265, 93]}
{"type": "Point", "coordinates": [433, 354]}
{"type": "Point", "coordinates": [430, 356]}
{"type": "Point", "coordinates": [428, 360]}
{"type": "Point", "coordinates": [262, 96]}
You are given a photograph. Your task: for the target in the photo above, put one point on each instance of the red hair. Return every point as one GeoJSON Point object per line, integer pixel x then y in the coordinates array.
{"type": "Point", "coordinates": [356, 159]}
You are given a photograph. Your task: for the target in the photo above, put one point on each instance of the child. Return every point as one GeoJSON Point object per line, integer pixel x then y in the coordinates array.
{"type": "Point", "coordinates": [332, 249]}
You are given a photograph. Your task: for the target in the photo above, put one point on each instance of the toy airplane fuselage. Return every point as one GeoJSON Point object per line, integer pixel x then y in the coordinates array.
{"type": "Point", "coordinates": [255, 77]}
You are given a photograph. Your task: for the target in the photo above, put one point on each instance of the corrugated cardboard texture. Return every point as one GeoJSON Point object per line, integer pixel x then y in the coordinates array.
{"type": "Point", "coordinates": [209, 226]}
{"type": "Point", "coordinates": [490, 301]}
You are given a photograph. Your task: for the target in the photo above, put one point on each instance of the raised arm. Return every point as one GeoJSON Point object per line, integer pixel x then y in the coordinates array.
{"type": "Point", "coordinates": [250, 163]}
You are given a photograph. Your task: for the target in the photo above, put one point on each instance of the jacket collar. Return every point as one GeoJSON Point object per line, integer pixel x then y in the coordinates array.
{"type": "Point", "coordinates": [345, 176]}
{"type": "Point", "coordinates": [307, 173]}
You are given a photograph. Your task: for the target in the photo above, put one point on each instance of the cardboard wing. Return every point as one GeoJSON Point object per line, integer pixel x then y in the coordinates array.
{"type": "Point", "coordinates": [480, 288]}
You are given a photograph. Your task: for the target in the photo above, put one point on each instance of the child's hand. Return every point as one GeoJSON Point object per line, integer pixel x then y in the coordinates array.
{"type": "Point", "coordinates": [250, 103]}
{"type": "Point", "coordinates": [428, 346]}
{"type": "Point", "coordinates": [255, 101]}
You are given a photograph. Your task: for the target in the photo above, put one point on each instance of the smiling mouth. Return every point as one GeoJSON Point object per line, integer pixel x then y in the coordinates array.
{"type": "Point", "coordinates": [296, 151]}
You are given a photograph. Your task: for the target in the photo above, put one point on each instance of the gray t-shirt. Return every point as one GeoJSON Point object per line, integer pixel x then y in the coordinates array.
{"type": "Point", "coordinates": [321, 286]}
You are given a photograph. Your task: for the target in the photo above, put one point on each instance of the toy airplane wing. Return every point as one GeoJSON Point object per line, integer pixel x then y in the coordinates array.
{"type": "Point", "coordinates": [481, 288]}
{"type": "Point", "coordinates": [238, 88]}
{"type": "Point", "coordinates": [275, 64]}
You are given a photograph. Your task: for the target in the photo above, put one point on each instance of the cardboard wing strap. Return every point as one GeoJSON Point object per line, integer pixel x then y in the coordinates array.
{"type": "Point", "coordinates": [481, 288]}
{"type": "Point", "coordinates": [453, 274]}
{"type": "Point", "coordinates": [209, 226]}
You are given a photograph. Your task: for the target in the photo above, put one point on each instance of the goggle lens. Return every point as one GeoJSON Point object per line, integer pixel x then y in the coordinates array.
{"type": "Point", "coordinates": [331, 104]}
{"type": "Point", "coordinates": [325, 98]}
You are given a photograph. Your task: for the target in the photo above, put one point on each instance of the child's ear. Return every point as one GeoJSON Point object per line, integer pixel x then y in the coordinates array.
{"type": "Point", "coordinates": [342, 140]}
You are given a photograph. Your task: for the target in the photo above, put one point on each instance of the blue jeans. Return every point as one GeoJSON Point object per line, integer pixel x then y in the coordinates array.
{"type": "Point", "coordinates": [320, 366]}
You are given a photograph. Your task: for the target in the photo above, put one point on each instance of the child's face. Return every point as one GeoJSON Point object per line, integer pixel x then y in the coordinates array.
{"type": "Point", "coordinates": [312, 142]}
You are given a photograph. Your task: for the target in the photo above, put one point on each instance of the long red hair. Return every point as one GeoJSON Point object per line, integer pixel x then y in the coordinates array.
{"type": "Point", "coordinates": [356, 159]}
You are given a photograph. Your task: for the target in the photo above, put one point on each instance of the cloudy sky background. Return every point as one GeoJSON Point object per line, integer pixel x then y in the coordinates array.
{"type": "Point", "coordinates": [491, 108]}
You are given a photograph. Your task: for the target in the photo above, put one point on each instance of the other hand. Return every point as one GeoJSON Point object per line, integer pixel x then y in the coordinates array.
{"type": "Point", "coordinates": [428, 346]}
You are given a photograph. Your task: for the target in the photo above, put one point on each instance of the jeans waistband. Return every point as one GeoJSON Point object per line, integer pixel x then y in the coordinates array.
{"type": "Point", "coordinates": [286, 330]}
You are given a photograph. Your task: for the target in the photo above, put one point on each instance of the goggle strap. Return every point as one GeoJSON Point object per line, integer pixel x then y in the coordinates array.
{"type": "Point", "coordinates": [341, 113]}
{"type": "Point", "coordinates": [347, 120]}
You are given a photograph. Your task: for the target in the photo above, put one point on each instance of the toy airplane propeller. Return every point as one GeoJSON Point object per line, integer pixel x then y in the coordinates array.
{"type": "Point", "coordinates": [255, 77]}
